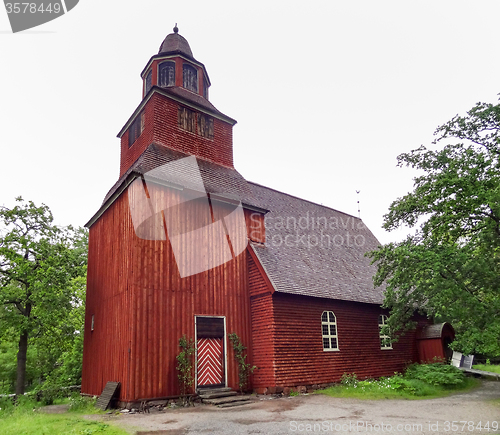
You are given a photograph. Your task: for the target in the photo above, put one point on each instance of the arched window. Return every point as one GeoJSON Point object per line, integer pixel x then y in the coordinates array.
{"type": "Point", "coordinates": [385, 340]}
{"type": "Point", "coordinates": [190, 77]}
{"type": "Point", "coordinates": [329, 331]}
{"type": "Point", "coordinates": [148, 82]}
{"type": "Point", "coordinates": [166, 74]}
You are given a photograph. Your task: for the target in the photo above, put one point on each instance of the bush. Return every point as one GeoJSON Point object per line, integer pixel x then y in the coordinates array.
{"type": "Point", "coordinates": [349, 379]}
{"type": "Point", "coordinates": [17, 406]}
{"type": "Point", "coordinates": [6, 406]}
{"type": "Point", "coordinates": [436, 374]}
{"type": "Point", "coordinates": [420, 380]}
{"type": "Point", "coordinates": [79, 403]}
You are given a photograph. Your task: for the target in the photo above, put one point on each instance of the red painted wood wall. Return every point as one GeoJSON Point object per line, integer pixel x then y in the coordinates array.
{"type": "Point", "coordinates": [287, 339]}
{"type": "Point", "coordinates": [141, 307]}
{"type": "Point", "coordinates": [262, 327]}
{"type": "Point", "coordinates": [161, 127]}
{"type": "Point", "coordinates": [430, 350]}
{"type": "Point", "coordinates": [299, 355]}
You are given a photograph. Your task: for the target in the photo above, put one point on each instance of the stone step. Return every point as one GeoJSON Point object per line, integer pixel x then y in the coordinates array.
{"type": "Point", "coordinates": [231, 404]}
{"type": "Point", "coordinates": [215, 394]}
{"type": "Point", "coordinates": [223, 400]}
{"type": "Point", "coordinates": [201, 391]}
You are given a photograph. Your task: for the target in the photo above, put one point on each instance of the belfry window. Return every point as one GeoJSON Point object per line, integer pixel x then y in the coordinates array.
{"type": "Point", "coordinates": [190, 78]}
{"type": "Point", "coordinates": [167, 74]}
{"type": "Point", "coordinates": [205, 126]}
{"type": "Point", "coordinates": [187, 119]}
{"type": "Point", "coordinates": [148, 82]}
{"type": "Point", "coordinates": [205, 88]}
{"type": "Point", "coordinates": [136, 128]}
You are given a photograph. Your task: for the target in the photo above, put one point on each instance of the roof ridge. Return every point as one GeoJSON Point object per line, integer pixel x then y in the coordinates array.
{"type": "Point", "coordinates": [302, 199]}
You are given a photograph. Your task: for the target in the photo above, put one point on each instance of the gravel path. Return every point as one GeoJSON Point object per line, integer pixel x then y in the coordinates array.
{"type": "Point", "coordinates": [322, 414]}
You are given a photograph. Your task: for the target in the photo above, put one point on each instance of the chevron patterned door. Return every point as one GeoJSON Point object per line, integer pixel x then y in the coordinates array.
{"type": "Point", "coordinates": [210, 361]}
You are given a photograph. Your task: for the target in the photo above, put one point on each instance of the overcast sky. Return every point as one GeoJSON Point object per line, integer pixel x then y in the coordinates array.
{"type": "Point", "coordinates": [326, 93]}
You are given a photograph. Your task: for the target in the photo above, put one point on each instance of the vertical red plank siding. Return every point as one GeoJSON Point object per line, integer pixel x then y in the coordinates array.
{"type": "Point", "coordinates": [106, 349]}
{"type": "Point", "coordinates": [255, 226]}
{"type": "Point", "coordinates": [142, 307]}
{"type": "Point", "coordinates": [430, 349]}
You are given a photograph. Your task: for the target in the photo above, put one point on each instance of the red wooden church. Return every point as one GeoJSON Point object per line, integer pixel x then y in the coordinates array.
{"type": "Point", "coordinates": [184, 245]}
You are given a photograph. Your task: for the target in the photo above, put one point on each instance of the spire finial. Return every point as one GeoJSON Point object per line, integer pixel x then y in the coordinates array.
{"type": "Point", "coordinates": [176, 29]}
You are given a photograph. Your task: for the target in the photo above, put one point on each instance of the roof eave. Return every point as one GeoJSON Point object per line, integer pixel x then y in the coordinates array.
{"type": "Point", "coordinates": [124, 185]}
{"type": "Point", "coordinates": [128, 180]}
{"type": "Point", "coordinates": [260, 265]}
{"type": "Point", "coordinates": [179, 99]}
{"type": "Point", "coordinates": [175, 53]}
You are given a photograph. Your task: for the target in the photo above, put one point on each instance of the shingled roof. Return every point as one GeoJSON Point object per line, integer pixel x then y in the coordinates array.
{"type": "Point", "coordinates": [218, 180]}
{"type": "Point", "coordinates": [310, 249]}
{"type": "Point", "coordinates": [313, 250]}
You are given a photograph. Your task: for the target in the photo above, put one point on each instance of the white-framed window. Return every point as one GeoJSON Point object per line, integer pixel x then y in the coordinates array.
{"type": "Point", "coordinates": [385, 340]}
{"type": "Point", "coordinates": [329, 331]}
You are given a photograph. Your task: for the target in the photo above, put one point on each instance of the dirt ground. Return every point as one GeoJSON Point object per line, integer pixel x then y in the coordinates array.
{"type": "Point", "coordinates": [317, 413]}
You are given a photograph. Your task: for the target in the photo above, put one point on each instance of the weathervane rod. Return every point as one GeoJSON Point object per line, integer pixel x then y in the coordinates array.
{"type": "Point", "coordinates": [359, 210]}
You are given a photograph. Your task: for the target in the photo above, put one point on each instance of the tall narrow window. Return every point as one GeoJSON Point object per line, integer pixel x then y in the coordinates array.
{"type": "Point", "coordinates": [205, 126]}
{"type": "Point", "coordinates": [329, 331]}
{"type": "Point", "coordinates": [385, 340]}
{"type": "Point", "coordinates": [190, 77]}
{"type": "Point", "coordinates": [205, 88]}
{"type": "Point", "coordinates": [136, 128]}
{"type": "Point", "coordinates": [186, 119]}
{"type": "Point", "coordinates": [148, 82]}
{"type": "Point", "coordinates": [167, 74]}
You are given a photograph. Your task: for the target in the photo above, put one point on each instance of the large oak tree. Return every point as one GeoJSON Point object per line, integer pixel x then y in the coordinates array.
{"type": "Point", "coordinates": [39, 262]}
{"type": "Point", "coordinates": [449, 267]}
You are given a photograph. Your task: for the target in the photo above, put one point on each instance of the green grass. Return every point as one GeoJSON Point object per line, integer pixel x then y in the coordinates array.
{"type": "Point", "coordinates": [38, 423]}
{"type": "Point", "coordinates": [487, 367]}
{"type": "Point", "coordinates": [425, 381]}
{"type": "Point", "coordinates": [377, 392]}
{"type": "Point", "coordinates": [27, 419]}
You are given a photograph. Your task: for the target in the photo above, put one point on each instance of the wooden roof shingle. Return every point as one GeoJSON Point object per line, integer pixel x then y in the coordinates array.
{"type": "Point", "coordinates": [313, 250]}
{"type": "Point", "coordinates": [310, 249]}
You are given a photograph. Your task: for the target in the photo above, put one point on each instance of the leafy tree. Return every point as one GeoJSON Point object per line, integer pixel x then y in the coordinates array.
{"type": "Point", "coordinates": [7, 367]}
{"type": "Point", "coordinates": [450, 266]}
{"type": "Point", "coordinates": [38, 265]}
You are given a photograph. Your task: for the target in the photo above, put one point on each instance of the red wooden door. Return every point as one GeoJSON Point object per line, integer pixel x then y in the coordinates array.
{"type": "Point", "coordinates": [210, 361]}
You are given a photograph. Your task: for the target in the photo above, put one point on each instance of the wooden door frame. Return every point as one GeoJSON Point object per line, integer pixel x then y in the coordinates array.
{"type": "Point", "coordinates": [224, 344]}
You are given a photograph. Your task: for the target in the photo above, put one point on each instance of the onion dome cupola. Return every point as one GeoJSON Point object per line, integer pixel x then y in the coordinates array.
{"type": "Point", "coordinates": [175, 66]}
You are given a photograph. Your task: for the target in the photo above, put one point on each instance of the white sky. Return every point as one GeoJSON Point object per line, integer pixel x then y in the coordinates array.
{"type": "Point", "coordinates": [326, 93]}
